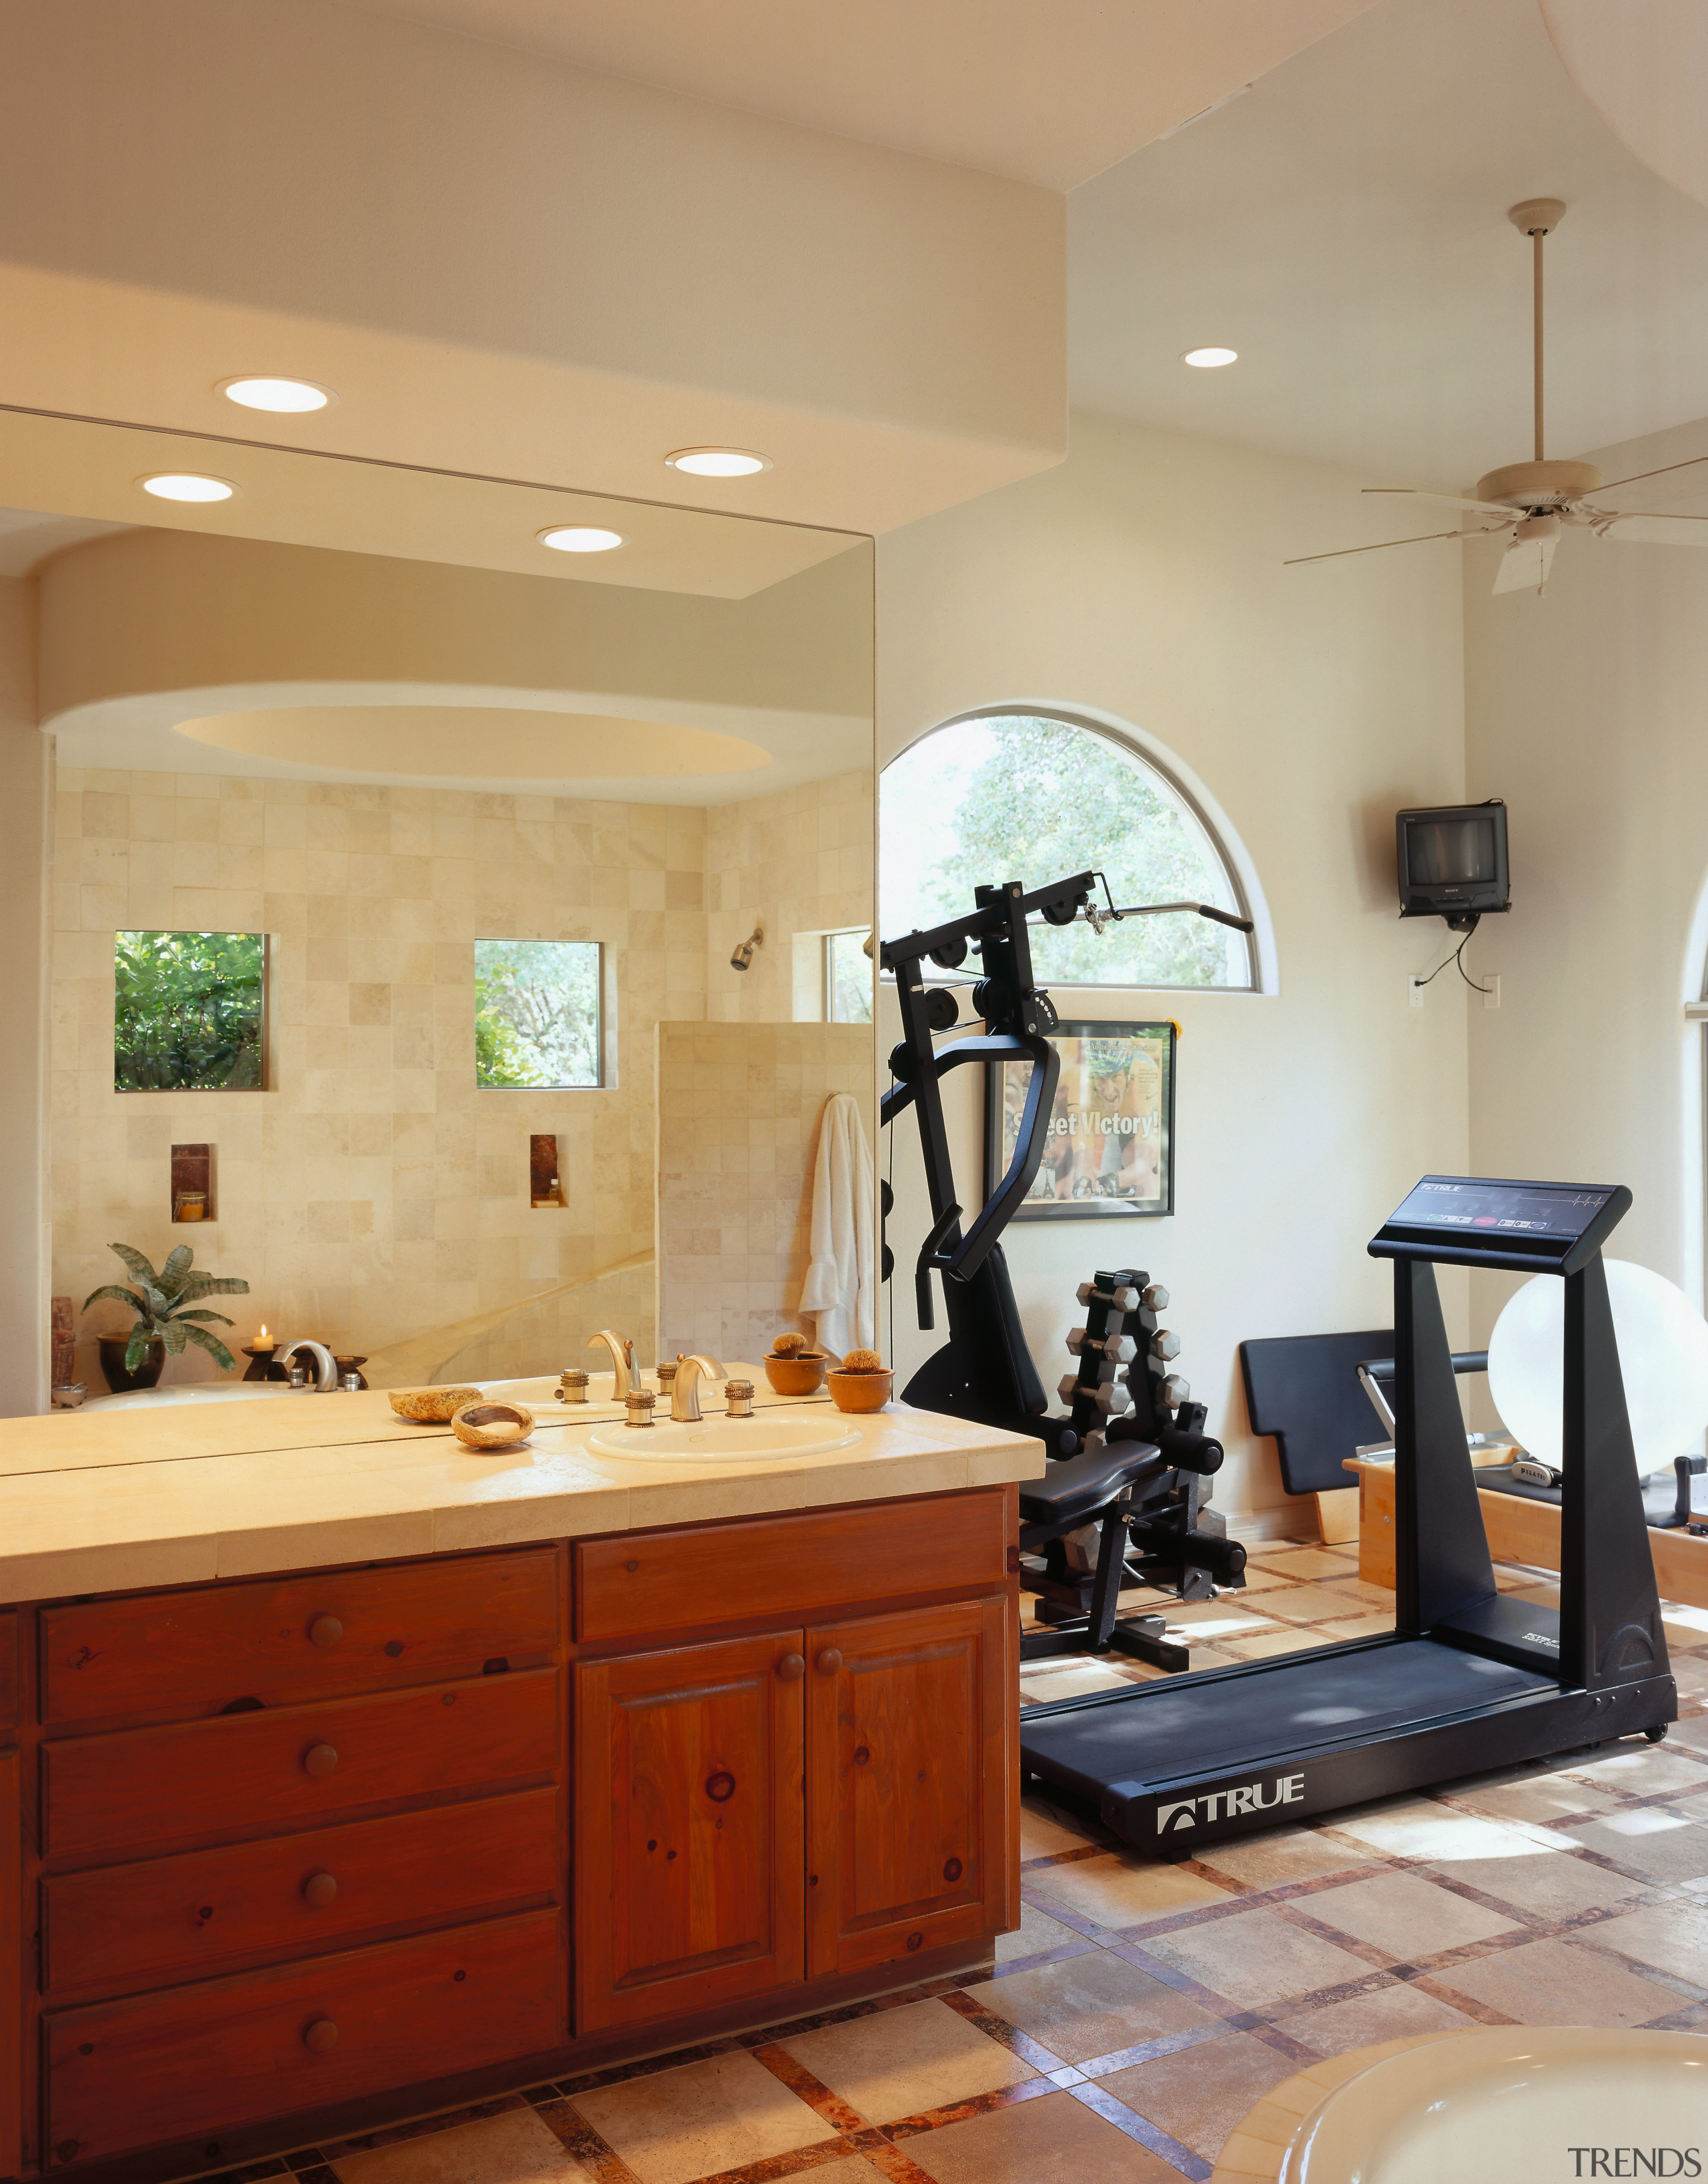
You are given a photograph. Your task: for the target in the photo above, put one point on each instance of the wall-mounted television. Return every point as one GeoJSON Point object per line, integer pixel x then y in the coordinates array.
{"type": "Point", "coordinates": [1452, 863]}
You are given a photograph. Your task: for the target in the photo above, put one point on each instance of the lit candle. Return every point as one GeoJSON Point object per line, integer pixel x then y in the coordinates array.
{"type": "Point", "coordinates": [264, 1341]}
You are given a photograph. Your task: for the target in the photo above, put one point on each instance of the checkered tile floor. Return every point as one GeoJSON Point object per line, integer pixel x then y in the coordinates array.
{"type": "Point", "coordinates": [1142, 2009]}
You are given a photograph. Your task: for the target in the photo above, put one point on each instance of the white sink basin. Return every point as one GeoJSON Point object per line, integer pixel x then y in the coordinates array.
{"type": "Point", "coordinates": [725, 1439]}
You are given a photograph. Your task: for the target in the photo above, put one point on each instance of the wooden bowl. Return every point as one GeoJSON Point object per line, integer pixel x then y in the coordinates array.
{"type": "Point", "coordinates": [861, 1391]}
{"type": "Point", "coordinates": [430, 1406]}
{"type": "Point", "coordinates": [493, 1426]}
{"type": "Point", "coordinates": [796, 1376]}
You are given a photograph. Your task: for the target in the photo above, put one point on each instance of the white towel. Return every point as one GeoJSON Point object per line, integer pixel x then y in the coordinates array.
{"type": "Point", "coordinates": [840, 1291]}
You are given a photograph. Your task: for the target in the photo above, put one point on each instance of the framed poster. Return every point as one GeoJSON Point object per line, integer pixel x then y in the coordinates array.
{"type": "Point", "coordinates": [1110, 1146]}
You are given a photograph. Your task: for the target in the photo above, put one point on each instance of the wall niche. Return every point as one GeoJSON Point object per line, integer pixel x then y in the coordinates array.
{"type": "Point", "coordinates": [545, 1185]}
{"type": "Point", "coordinates": [192, 1184]}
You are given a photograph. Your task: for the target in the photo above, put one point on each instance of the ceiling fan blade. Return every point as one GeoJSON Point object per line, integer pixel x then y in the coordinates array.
{"type": "Point", "coordinates": [1448, 500]}
{"type": "Point", "coordinates": [1638, 476]}
{"type": "Point", "coordinates": [1654, 530]}
{"type": "Point", "coordinates": [1376, 545]}
{"type": "Point", "coordinates": [1524, 566]}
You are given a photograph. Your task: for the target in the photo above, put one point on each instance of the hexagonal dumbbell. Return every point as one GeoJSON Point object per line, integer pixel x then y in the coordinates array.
{"type": "Point", "coordinates": [1165, 1344]}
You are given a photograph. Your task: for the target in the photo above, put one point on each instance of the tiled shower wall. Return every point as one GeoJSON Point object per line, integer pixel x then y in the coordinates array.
{"type": "Point", "coordinates": [797, 862]}
{"type": "Point", "coordinates": [739, 1111]}
{"type": "Point", "coordinates": [371, 1192]}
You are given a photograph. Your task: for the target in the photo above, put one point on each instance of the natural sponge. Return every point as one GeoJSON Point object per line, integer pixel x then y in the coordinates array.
{"type": "Point", "coordinates": [862, 1361]}
{"type": "Point", "coordinates": [790, 1345]}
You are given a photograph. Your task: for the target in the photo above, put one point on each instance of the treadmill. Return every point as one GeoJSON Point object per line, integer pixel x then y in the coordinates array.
{"type": "Point", "coordinates": [1469, 1678]}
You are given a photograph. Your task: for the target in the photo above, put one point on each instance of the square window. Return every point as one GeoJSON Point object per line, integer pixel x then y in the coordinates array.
{"type": "Point", "coordinates": [538, 1018]}
{"type": "Point", "coordinates": [848, 977]}
{"type": "Point", "coordinates": [189, 1011]}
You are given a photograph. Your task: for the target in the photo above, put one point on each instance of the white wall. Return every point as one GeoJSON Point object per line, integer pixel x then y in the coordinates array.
{"type": "Point", "coordinates": [26, 772]}
{"type": "Point", "coordinates": [1144, 579]}
{"type": "Point", "coordinates": [1587, 711]}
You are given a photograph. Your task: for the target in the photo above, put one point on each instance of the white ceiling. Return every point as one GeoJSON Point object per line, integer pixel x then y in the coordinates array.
{"type": "Point", "coordinates": [1044, 90]}
{"type": "Point", "coordinates": [1343, 226]}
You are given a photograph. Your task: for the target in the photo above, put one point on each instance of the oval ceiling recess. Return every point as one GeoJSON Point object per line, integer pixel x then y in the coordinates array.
{"type": "Point", "coordinates": [476, 741]}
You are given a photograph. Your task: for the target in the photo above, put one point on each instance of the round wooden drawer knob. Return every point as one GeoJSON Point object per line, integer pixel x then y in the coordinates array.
{"type": "Point", "coordinates": [792, 1667]}
{"type": "Point", "coordinates": [320, 2035]}
{"type": "Point", "coordinates": [829, 1661]}
{"type": "Point", "coordinates": [318, 1890]}
{"type": "Point", "coordinates": [319, 1760]}
{"type": "Point", "coordinates": [326, 1630]}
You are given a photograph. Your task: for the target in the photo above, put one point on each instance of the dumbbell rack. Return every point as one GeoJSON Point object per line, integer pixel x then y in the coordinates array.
{"type": "Point", "coordinates": [1125, 1388]}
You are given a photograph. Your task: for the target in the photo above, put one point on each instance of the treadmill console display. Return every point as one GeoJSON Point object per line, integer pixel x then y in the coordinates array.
{"type": "Point", "coordinates": [1546, 1228]}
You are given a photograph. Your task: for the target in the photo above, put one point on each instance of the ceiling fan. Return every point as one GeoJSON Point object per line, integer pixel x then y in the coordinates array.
{"type": "Point", "coordinates": [1529, 502]}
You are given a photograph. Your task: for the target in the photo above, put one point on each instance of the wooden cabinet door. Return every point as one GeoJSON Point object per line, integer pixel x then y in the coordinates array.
{"type": "Point", "coordinates": [689, 1881]}
{"type": "Point", "coordinates": [11, 1968]}
{"type": "Point", "coordinates": [908, 1775]}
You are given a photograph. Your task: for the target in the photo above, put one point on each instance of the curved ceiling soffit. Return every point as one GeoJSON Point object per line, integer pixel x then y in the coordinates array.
{"type": "Point", "coordinates": [1643, 65]}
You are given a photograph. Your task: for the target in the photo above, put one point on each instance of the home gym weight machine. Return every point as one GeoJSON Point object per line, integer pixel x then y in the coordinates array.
{"type": "Point", "coordinates": [1131, 1456]}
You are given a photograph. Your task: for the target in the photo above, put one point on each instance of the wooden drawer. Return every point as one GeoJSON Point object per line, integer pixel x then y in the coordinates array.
{"type": "Point", "coordinates": [8, 1673]}
{"type": "Point", "coordinates": [645, 1584]}
{"type": "Point", "coordinates": [116, 1794]}
{"type": "Point", "coordinates": [205, 2058]}
{"type": "Point", "coordinates": [164, 1921]}
{"type": "Point", "coordinates": [295, 1638]}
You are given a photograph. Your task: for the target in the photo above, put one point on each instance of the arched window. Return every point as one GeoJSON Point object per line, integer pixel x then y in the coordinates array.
{"type": "Point", "coordinates": [1032, 796]}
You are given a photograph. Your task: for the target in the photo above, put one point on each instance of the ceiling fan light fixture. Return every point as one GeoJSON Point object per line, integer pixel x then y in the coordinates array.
{"type": "Point", "coordinates": [1209, 359]}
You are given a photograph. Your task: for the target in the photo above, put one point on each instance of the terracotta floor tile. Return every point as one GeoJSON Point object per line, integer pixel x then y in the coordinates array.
{"type": "Point", "coordinates": [1691, 1734]}
{"type": "Point", "coordinates": [1364, 2020]}
{"type": "Point", "coordinates": [1045, 1829]}
{"type": "Point", "coordinates": [1306, 1603]}
{"type": "Point", "coordinates": [1054, 2140]}
{"type": "Point", "coordinates": [1559, 1983]}
{"type": "Point", "coordinates": [1042, 1680]}
{"type": "Point", "coordinates": [1672, 1937]}
{"type": "Point", "coordinates": [1255, 1957]}
{"type": "Point", "coordinates": [516, 2148]}
{"type": "Point", "coordinates": [1419, 1827]}
{"type": "Point", "coordinates": [1361, 1589]}
{"type": "Point", "coordinates": [1358, 1626]}
{"type": "Point", "coordinates": [1089, 2005]}
{"type": "Point", "coordinates": [852, 2169]}
{"type": "Point", "coordinates": [702, 2118]}
{"type": "Point", "coordinates": [1642, 1770]}
{"type": "Point", "coordinates": [1690, 1673]}
{"type": "Point", "coordinates": [1306, 1561]}
{"type": "Point", "coordinates": [1214, 1619]}
{"type": "Point", "coordinates": [898, 2062]}
{"type": "Point", "coordinates": [1258, 1579]}
{"type": "Point", "coordinates": [1556, 1886]}
{"type": "Point", "coordinates": [1282, 1854]}
{"type": "Point", "coordinates": [1121, 1890]}
{"type": "Point", "coordinates": [1648, 1839]}
{"type": "Point", "coordinates": [1037, 1933]}
{"type": "Point", "coordinates": [1199, 2094]}
{"type": "Point", "coordinates": [1293, 1641]}
{"type": "Point", "coordinates": [1406, 1915]}
{"type": "Point", "coordinates": [1548, 1796]}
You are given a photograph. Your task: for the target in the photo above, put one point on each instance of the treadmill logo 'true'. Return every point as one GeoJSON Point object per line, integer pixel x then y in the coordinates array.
{"type": "Point", "coordinates": [1226, 1804]}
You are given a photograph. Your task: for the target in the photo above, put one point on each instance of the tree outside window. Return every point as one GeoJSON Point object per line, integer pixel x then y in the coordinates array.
{"type": "Point", "coordinates": [537, 1018]}
{"type": "Point", "coordinates": [1027, 797]}
{"type": "Point", "coordinates": [189, 1011]}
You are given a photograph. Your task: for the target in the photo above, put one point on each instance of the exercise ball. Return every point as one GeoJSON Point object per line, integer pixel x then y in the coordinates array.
{"type": "Point", "coordinates": [1663, 1360]}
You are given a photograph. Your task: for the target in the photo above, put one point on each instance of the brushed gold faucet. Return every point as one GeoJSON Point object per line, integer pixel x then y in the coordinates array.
{"type": "Point", "coordinates": [685, 1389]}
{"type": "Point", "coordinates": [623, 1360]}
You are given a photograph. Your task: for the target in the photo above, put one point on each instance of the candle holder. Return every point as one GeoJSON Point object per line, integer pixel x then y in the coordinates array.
{"type": "Point", "coordinates": [263, 1365]}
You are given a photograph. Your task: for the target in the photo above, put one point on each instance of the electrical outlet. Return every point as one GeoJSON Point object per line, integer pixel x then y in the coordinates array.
{"type": "Point", "coordinates": [1490, 982]}
{"type": "Point", "coordinates": [1414, 989]}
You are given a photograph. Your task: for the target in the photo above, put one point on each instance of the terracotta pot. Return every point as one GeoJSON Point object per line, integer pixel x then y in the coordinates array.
{"type": "Point", "coordinates": [146, 1374]}
{"type": "Point", "coordinates": [796, 1376]}
{"type": "Point", "coordinates": [861, 1391]}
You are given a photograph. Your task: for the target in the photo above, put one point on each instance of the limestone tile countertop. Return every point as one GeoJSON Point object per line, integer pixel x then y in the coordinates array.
{"type": "Point", "coordinates": [106, 1502]}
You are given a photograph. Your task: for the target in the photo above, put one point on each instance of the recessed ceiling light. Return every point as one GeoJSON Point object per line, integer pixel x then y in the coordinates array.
{"type": "Point", "coordinates": [185, 485]}
{"type": "Point", "coordinates": [581, 538]}
{"type": "Point", "coordinates": [1207, 360]}
{"type": "Point", "coordinates": [718, 462]}
{"type": "Point", "coordinates": [261, 392]}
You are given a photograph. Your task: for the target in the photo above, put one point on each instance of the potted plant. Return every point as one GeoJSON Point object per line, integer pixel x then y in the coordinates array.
{"type": "Point", "coordinates": [166, 1319]}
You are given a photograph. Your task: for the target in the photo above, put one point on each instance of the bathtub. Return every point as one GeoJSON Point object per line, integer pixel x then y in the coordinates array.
{"type": "Point", "coordinates": [1518, 2104]}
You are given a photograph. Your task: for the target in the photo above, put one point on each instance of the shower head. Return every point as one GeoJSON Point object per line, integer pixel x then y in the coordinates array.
{"type": "Point", "coordinates": [744, 955]}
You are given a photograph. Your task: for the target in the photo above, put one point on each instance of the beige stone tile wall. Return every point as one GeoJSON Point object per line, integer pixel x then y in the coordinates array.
{"type": "Point", "coordinates": [370, 1191]}
{"type": "Point", "coordinates": [739, 1108]}
{"type": "Point", "coordinates": [799, 862]}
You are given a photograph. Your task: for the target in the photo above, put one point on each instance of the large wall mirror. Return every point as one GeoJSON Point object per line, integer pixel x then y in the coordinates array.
{"type": "Point", "coordinates": [460, 934]}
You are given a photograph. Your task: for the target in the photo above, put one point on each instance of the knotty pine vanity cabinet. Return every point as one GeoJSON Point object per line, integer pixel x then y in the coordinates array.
{"type": "Point", "coordinates": [303, 1855]}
